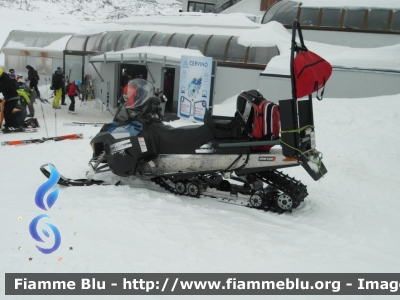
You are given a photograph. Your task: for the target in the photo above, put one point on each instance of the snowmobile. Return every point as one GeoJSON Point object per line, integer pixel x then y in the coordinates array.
{"type": "Point", "coordinates": [215, 159]}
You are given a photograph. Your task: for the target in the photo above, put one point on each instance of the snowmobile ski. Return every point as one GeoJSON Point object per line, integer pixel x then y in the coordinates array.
{"type": "Point", "coordinates": [24, 130]}
{"type": "Point", "coordinates": [42, 140]}
{"type": "Point", "coordinates": [64, 181]}
{"type": "Point", "coordinates": [83, 124]}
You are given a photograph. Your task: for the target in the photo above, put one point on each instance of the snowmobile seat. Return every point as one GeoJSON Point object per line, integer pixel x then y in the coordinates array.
{"type": "Point", "coordinates": [181, 140]}
{"type": "Point", "coordinates": [223, 127]}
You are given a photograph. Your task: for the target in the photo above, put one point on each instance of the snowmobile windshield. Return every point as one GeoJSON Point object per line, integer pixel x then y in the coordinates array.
{"type": "Point", "coordinates": [139, 91]}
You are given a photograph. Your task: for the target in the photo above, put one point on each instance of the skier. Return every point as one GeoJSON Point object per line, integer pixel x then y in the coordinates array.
{"type": "Point", "coordinates": [28, 97]}
{"type": "Point", "coordinates": [33, 78]}
{"type": "Point", "coordinates": [11, 96]}
{"type": "Point", "coordinates": [57, 82]}
{"type": "Point", "coordinates": [72, 91]}
{"type": "Point", "coordinates": [63, 91]}
{"type": "Point", "coordinates": [13, 79]}
{"type": "Point", "coordinates": [20, 114]}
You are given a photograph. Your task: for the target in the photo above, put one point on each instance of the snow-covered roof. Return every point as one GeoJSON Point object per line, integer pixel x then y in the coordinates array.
{"type": "Point", "coordinates": [386, 4]}
{"type": "Point", "coordinates": [232, 24]}
{"type": "Point", "coordinates": [357, 16]}
{"type": "Point", "coordinates": [27, 43]}
{"type": "Point", "coordinates": [166, 55]}
{"type": "Point", "coordinates": [36, 41]}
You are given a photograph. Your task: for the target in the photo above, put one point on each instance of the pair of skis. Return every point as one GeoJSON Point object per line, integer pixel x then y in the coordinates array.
{"type": "Point", "coordinates": [95, 124]}
{"type": "Point", "coordinates": [19, 131]}
{"type": "Point", "coordinates": [74, 136]}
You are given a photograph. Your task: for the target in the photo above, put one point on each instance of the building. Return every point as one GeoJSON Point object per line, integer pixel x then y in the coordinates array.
{"type": "Point", "coordinates": [361, 24]}
{"type": "Point", "coordinates": [151, 47]}
{"type": "Point", "coordinates": [247, 54]}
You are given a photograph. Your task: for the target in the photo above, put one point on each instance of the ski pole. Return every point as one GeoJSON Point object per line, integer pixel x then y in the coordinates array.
{"type": "Point", "coordinates": [108, 98]}
{"type": "Point", "coordinates": [47, 89]}
{"type": "Point", "coordinates": [108, 93]}
{"type": "Point", "coordinates": [55, 115]}
{"type": "Point", "coordinates": [44, 119]}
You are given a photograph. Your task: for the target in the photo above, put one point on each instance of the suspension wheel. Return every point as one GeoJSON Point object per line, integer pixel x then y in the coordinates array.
{"type": "Point", "coordinates": [192, 189]}
{"type": "Point", "coordinates": [180, 187]}
{"type": "Point", "coordinates": [285, 202]}
{"type": "Point", "coordinates": [257, 200]}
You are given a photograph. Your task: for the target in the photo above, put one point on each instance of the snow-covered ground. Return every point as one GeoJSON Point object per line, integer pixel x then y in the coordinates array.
{"type": "Point", "coordinates": [348, 223]}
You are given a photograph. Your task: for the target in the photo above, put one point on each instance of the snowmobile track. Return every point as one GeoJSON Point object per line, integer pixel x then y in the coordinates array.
{"type": "Point", "coordinates": [288, 185]}
{"type": "Point", "coordinates": [290, 188]}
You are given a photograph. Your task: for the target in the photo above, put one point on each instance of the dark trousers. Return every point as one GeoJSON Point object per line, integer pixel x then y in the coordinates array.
{"type": "Point", "coordinates": [24, 104]}
{"type": "Point", "coordinates": [63, 95]}
{"type": "Point", "coordinates": [72, 105]}
{"type": "Point", "coordinates": [35, 87]}
{"type": "Point", "coordinates": [9, 117]}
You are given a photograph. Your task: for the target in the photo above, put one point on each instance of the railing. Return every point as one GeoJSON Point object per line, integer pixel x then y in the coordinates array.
{"type": "Point", "coordinates": [224, 6]}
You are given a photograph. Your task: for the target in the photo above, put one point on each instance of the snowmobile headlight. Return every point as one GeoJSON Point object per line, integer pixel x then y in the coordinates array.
{"type": "Point", "coordinates": [92, 144]}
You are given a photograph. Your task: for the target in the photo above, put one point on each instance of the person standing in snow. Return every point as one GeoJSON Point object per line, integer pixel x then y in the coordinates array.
{"type": "Point", "coordinates": [72, 90]}
{"type": "Point", "coordinates": [63, 92]}
{"type": "Point", "coordinates": [33, 78]}
{"type": "Point", "coordinates": [57, 82]}
{"type": "Point", "coordinates": [9, 91]}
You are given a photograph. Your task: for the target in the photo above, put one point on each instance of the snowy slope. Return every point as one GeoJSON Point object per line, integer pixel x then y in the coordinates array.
{"type": "Point", "coordinates": [96, 9]}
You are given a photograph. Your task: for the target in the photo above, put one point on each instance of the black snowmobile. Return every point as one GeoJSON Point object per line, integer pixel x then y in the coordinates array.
{"type": "Point", "coordinates": [216, 158]}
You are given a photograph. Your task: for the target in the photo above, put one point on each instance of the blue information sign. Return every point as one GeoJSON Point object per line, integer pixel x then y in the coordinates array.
{"type": "Point", "coordinates": [194, 87]}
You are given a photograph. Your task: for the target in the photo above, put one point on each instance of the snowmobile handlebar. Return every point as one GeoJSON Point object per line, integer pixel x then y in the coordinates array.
{"type": "Point", "coordinates": [161, 95]}
{"type": "Point", "coordinates": [152, 110]}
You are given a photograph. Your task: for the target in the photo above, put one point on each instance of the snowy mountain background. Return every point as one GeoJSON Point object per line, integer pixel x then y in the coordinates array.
{"type": "Point", "coordinates": [348, 223]}
{"type": "Point", "coordinates": [91, 10]}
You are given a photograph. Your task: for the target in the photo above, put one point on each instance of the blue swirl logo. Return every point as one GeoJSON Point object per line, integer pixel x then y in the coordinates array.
{"type": "Point", "coordinates": [40, 202]}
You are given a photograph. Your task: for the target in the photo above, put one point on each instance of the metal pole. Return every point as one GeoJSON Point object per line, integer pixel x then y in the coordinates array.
{"type": "Point", "coordinates": [44, 119]}
{"type": "Point", "coordinates": [55, 113]}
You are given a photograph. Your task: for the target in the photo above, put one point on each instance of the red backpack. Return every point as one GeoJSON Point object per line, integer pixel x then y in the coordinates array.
{"type": "Point", "coordinates": [261, 117]}
{"type": "Point", "coordinates": [311, 72]}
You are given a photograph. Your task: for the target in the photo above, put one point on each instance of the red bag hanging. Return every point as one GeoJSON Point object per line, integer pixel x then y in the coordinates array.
{"type": "Point", "coordinates": [311, 73]}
